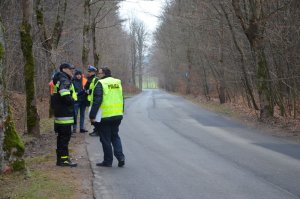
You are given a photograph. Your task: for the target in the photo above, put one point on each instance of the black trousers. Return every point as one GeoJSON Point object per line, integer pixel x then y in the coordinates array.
{"type": "Point", "coordinates": [63, 139]}
{"type": "Point", "coordinates": [109, 137]}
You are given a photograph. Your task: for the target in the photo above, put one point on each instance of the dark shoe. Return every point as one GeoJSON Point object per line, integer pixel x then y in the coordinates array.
{"type": "Point", "coordinates": [102, 164]}
{"type": "Point", "coordinates": [66, 163]}
{"type": "Point", "coordinates": [74, 131]}
{"type": "Point", "coordinates": [83, 131]}
{"type": "Point", "coordinates": [93, 134]}
{"type": "Point", "coordinates": [121, 163]}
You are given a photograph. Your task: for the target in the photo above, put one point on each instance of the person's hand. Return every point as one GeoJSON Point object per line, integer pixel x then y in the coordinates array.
{"type": "Point", "coordinates": [88, 91]}
{"type": "Point", "coordinates": [92, 121]}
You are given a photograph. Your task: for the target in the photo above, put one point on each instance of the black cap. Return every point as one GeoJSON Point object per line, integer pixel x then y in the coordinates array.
{"type": "Point", "coordinates": [78, 72]}
{"type": "Point", "coordinates": [65, 65]}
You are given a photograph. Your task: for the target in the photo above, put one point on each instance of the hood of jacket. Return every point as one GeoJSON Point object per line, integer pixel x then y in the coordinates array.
{"type": "Point", "coordinates": [59, 75]}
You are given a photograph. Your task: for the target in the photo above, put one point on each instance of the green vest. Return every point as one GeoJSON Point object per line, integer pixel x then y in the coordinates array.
{"type": "Point", "coordinates": [112, 100]}
{"type": "Point", "coordinates": [91, 87]}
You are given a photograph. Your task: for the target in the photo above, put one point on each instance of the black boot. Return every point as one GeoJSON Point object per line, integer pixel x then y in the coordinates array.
{"type": "Point", "coordinates": [63, 159]}
{"type": "Point", "coordinates": [57, 157]}
{"type": "Point", "coordinates": [66, 162]}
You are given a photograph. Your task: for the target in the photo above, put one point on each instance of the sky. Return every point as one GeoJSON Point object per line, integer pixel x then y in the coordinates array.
{"type": "Point", "coordinates": [144, 10]}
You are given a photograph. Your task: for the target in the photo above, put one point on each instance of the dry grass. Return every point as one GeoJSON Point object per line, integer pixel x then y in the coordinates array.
{"type": "Point", "coordinates": [43, 179]}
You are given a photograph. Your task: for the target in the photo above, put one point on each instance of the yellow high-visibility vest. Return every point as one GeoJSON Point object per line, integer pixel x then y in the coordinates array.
{"type": "Point", "coordinates": [112, 99]}
{"type": "Point", "coordinates": [91, 87]}
{"type": "Point", "coordinates": [74, 94]}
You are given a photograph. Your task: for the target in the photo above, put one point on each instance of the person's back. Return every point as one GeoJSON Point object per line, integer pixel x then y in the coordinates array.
{"type": "Point", "coordinates": [108, 98]}
{"type": "Point", "coordinates": [112, 102]}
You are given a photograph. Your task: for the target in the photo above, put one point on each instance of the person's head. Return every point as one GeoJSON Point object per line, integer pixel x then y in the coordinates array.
{"type": "Point", "coordinates": [92, 71]}
{"type": "Point", "coordinates": [67, 68]}
{"type": "Point", "coordinates": [104, 71]}
{"type": "Point", "coordinates": [78, 74]}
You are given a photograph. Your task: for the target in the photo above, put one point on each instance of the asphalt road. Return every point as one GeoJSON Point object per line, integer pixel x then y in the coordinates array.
{"type": "Point", "coordinates": [177, 150]}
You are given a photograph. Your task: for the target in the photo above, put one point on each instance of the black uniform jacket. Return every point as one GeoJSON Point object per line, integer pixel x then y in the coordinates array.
{"type": "Point", "coordinates": [63, 106]}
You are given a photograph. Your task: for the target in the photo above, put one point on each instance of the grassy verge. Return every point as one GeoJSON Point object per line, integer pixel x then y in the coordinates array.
{"type": "Point", "coordinates": [42, 179]}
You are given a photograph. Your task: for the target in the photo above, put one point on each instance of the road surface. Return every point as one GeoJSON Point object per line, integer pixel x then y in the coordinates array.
{"type": "Point", "coordinates": [176, 150]}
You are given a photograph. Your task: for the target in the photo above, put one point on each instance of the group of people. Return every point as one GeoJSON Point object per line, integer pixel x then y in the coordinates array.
{"type": "Point", "coordinates": [103, 95]}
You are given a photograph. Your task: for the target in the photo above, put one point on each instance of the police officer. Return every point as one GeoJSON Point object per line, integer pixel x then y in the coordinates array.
{"type": "Point", "coordinates": [107, 97]}
{"type": "Point", "coordinates": [92, 79]}
{"type": "Point", "coordinates": [62, 104]}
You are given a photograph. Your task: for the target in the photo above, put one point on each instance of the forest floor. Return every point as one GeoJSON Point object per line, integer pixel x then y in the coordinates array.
{"type": "Point", "coordinates": [43, 179]}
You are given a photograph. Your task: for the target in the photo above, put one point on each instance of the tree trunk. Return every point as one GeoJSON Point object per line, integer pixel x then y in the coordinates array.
{"type": "Point", "coordinates": [133, 27]}
{"type": "Point", "coordinates": [133, 62]}
{"type": "Point", "coordinates": [3, 108]}
{"type": "Point", "coordinates": [11, 145]}
{"type": "Point", "coordinates": [140, 73]}
{"type": "Point", "coordinates": [188, 73]}
{"type": "Point", "coordinates": [95, 54]}
{"type": "Point", "coordinates": [264, 86]}
{"type": "Point", "coordinates": [249, 89]}
{"type": "Point", "coordinates": [254, 28]}
{"type": "Point", "coordinates": [222, 88]}
{"type": "Point", "coordinates": [33, 119]}
{"type": "Point", "coordinates": [86, 33]}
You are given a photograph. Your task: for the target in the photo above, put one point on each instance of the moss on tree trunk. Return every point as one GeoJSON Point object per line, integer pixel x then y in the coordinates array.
{"type": "Point", "coordinates": [264, 86]}
{"type": "Point", "coordinates": [13, 146]}
{"type": "Point", "coordinates": [31, 110]}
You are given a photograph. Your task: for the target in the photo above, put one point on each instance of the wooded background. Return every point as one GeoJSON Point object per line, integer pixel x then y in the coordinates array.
{"type": "Point", "coordinates": [233, 50]}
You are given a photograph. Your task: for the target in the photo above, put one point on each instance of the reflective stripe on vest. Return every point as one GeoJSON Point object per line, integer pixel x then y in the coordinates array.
{"type": "Point", "coordinates": [91, 87]}
{"type": "Point", "coordinates": [74, 94]}
{"type": "Point", "coordinates": [64, 120]}
{"type": "Point", "coordinates": [55, 88]}
{"type": "Point", "coordinates": [112, 101]}
{"type": "Point", "coordinates": [64, 92]}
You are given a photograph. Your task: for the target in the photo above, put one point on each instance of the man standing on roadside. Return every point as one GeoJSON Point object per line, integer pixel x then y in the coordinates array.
{"type": "Point", "coordinates": [92, 79]}
{"type": "Point", "coordinates": [107, 97]}
{"type": "Point", "coordinates": [63, 106]}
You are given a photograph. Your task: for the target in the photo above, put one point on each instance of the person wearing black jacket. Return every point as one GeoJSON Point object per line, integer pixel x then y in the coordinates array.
{"type": "Point", "coordinates": [92, 79]}
{"type": "Point", "coordinates": [108, 98]}
{"type": "Point", "coordinates": [80, 104]}
{"type": "Point", "coordinates": [63, 106]}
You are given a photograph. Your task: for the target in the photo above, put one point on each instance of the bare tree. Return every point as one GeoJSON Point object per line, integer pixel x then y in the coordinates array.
{"type": "Point", "coordinates": [101, 13]}
{"type": "Point", "coordinates": [50, 42]}
{"type": "Point", "coordinates": [86, 33]}
{"type": "Point", "coordinates": [253, 22]}
{"type": "Point", "coordinates": [33, 125]}
{"type": "Point", "coordinates": [133, 48]}
{"type": "Point", "coordinates": [141, 36]}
